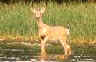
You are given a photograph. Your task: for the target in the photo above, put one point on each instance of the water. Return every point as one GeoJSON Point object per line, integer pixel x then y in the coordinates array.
{"type": "Point", "coordinates": [37, 59]}
{"type": "Point", "coordinates": [29, 57]}
{"type": "Point", "coordinates": [16, 52]}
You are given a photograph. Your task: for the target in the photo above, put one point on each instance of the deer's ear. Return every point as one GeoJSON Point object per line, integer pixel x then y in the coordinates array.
{"type": "Point", "coordinates": [43, 9]}
{"type": "Point", "coordinates": [33, 10]}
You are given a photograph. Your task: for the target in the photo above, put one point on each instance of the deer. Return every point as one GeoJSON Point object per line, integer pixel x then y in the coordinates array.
{"type": "Point", "coordinates": [47, 32]}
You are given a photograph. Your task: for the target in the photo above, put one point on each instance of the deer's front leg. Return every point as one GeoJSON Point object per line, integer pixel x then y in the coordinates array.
{"type": "Point", "coordinates": [43, 43]}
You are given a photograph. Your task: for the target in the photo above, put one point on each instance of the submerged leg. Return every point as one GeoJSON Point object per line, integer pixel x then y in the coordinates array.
{"type": "Point", "coordinates": [43, 52]}
{"type": "Point", "coordinates": [67, 49]}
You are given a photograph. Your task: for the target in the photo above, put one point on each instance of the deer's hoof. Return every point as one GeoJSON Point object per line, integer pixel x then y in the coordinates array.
{"type": "Point", "coordinates": [61, 57]}
{"type": "Point", "coordinates": [44, 57]}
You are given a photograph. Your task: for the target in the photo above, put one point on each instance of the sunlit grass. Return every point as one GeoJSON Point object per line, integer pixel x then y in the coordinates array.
{"type": "Point", "coordinates": [17, 20]}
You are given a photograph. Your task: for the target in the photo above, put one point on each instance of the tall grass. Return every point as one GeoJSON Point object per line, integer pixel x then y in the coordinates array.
{"type": "Point", "coordinates": [18, 20]}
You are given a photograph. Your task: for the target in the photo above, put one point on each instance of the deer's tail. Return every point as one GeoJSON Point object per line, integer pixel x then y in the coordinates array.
{"type": "Point", "coordinates": [68, 26]}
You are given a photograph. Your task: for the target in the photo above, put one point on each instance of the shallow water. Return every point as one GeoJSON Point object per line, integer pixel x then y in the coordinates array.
{"type": "Point", "coordinates": [36, 59]}
{"type": "Point", "coordinates": [16, 52]}
{"type": "Point", "coordinates": [15, 55]}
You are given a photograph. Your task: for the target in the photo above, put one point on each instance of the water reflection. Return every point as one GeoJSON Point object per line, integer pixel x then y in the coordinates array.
{"type": "Point", "coordinates": [71, 59]}
{"type": "Point", "coordinates": [36, 58]}
{"type": "Point", "coordinates": [14, 52]}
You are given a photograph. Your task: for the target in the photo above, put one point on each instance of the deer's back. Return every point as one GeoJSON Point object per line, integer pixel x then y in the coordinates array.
{"type": "Point", "coordinates": [57, 32]}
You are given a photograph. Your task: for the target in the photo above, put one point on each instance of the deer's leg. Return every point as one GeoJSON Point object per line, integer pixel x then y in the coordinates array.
{"type": "Point", "coordinates": [67, 48]}
{"type": "Point", "coordinates": [43, 42]}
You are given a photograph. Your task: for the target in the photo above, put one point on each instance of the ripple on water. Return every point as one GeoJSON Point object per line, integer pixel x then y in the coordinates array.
{"type": "Point", "coordinates": [72, 59]}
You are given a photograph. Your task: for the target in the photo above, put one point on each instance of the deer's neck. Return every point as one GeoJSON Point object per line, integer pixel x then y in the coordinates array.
{"type": "Point", "coordinates": [40, 23]}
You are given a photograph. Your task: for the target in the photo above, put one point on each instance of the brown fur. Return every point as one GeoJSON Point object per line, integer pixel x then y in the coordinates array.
{"type": "Point", "coordinates": [47, 32]}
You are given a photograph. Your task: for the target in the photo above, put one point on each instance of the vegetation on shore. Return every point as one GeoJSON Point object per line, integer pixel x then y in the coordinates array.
{"type": "Point", "coordinates": [18, 22]}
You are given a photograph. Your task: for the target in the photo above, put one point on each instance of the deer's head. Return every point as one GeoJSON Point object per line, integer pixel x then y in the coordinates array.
{"type": "Point", "coordinates": [38, 11]}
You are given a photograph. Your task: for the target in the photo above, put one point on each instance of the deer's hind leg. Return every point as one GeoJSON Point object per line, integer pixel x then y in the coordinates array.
{"type": "Point", "coordinates": [67, 49]}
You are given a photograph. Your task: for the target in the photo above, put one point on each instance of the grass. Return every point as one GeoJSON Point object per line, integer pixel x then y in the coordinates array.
{"type": "Point", "coordinates": [17, 20]}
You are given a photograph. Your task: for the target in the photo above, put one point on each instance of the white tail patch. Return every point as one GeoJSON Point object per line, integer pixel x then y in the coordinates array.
{"type": "Point", "coordinates": [68, 31]}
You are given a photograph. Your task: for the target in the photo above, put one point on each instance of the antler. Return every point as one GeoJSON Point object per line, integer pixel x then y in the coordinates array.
{"type": "Point", "coordinates": [43, 9]}
{"type": "Point", "coordinates": [33, 10]}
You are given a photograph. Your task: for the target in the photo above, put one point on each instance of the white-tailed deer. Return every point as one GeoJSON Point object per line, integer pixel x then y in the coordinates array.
{"type": "Point", "coordinates": [47, 32]}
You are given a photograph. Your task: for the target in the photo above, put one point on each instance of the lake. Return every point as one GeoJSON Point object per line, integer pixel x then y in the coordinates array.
{"type": "Point", "coordinates": [25, 52]}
